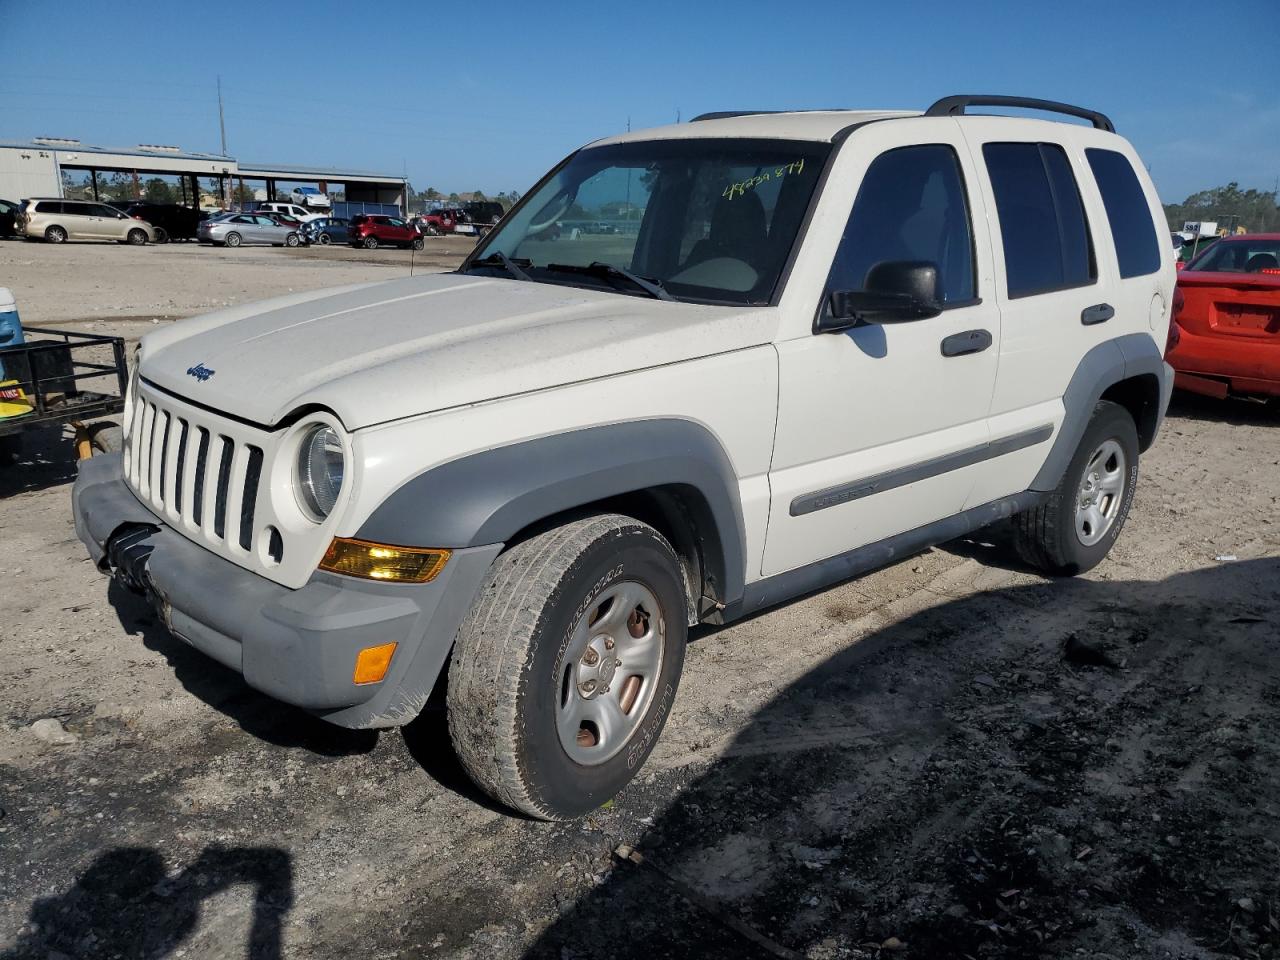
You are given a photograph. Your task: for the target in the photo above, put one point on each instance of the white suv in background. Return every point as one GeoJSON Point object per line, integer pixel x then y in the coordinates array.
{"type": "Point", "coordinates": [298, 213]}
{"type": "Point", "coordinates": [815, 343]}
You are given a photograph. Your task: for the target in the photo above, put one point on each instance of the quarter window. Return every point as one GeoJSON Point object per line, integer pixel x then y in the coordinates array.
{"type": "Point", "coordinates": [1042, 222]}
{"type": "Point", "coordinates": [911, 206]}
{"type": "Point", "coordinates": [1132, 231]}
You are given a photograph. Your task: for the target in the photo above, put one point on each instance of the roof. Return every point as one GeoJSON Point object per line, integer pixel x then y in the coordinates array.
{"type": "Point", "coordinates": [795, 125]}
{"type": "Point", "coordinates": [316, 173]}
{"type": "Point", "coordinates": [72, 146]}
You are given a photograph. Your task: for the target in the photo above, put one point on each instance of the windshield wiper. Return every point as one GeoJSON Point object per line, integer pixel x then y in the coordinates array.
{"type": "Point", "coordinates": [607, 270]}
{"type": "Point", "coordinates": [500, 259]}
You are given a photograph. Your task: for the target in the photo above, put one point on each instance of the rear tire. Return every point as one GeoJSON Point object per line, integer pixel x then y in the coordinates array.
{"type": "Point", "coordinates": [371, 243]}
{"type": "Point", "coordinates": [1074, 527]}
{"type": "Point", "coordinates": [162, 235]}
{"type": "Point", "coordinates": [545, 711]}
{"type": "Point", "coordinates": [233, 240]}
{"type": "Point", "coordinates": [10, 450]}
{"type": "Point", "coordinates": [56, 235]}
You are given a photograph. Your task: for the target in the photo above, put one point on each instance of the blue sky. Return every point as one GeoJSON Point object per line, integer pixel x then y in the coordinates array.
{"type": "Point", "coordinates": [489, 95]}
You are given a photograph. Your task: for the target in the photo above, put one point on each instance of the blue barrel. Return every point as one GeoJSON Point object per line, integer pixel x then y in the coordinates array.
{"type": "Point", "coordinates": [10, 325]}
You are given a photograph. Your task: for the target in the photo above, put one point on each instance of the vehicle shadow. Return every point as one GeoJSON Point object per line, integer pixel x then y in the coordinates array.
{"type": "Point", "coordinates": [47, 458]}
{"type": "Point", "coordinates": [226, 691]}
{"type": "Point", "coordinates": [966, 783]}
{"type": "Point", "coordinates": [1232, 410]}
{"type": "Point", "coordinates": [126, 904]}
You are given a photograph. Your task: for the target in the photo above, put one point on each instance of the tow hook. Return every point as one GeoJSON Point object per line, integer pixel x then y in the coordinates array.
{"type": "Point", "coordinates": [128, 552]}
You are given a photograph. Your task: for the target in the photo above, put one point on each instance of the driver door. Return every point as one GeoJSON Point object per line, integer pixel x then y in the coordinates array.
{"type": "Point", "coordinates": [880, 426]}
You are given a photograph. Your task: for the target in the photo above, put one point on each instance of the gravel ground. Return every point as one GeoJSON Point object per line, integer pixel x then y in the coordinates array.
{"type": "Point", "coordinates": [919, 763]}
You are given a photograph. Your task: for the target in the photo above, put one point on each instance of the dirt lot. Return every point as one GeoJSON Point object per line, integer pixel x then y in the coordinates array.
{"type": "Point", "coordinates": [903, 766]}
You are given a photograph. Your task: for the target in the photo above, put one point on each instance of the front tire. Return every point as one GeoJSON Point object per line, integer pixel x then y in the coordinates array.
{"type": "Point", "coordinates": [418, 244]}
{"type": "Point", "coordinates": [1074, 527]}
{"type": "Point", "coordinates": [323, 239]}
{"type": "Point", "coordinates": [137, 237]}
{"type": "Point", "coordinates": [291, 240]}
{"type": "Point", "coordinates": [565, 670]}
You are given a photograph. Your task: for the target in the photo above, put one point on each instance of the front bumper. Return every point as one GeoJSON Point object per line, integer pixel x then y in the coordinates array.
{"type": "Point", "coordinates": [298, 646]}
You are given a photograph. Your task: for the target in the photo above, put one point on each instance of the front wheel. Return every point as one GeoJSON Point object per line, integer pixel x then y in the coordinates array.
{"type": "Point", "coordinates": [419, 243]}
{"type": "Point", "coordinates": [291, 240]}
{"type": "Point", "coordinates": [565, 670]}
{"type": "Point", "coordinates": [323, 240]}
{"type": "Point", "coordinates": [137, 237]}
{"type": "Point", "coordinates": [1074, 527]}
{"type": "Point", "coordinates": [233, 240]}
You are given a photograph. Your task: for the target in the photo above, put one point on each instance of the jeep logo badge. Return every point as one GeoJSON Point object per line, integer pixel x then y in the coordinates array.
{"type": "Point", "coordinates": [200, 372]}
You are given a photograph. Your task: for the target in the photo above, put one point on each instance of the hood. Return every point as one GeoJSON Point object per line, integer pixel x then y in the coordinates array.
{"type": "Point", "coordinates": [378, 352]}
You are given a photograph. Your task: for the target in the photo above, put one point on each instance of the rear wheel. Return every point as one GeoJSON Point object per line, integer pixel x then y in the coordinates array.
{"type": "Point", "coordinates": [137, 237]}
{"type": "Point", "coordinates": [10, 450]}
{"type": "Point", "coordinates": [565, 669]}
{"type": "Point", "coordinates": [233, 240]}
{"type": "Point", "coordinates": [371, 242]}
{"type": "Point", "coordinates": [56, 235]}
{"type": "Point", "coordinates": [162, 235]}
{"type": "Point", "coordinates": [1074, 527]}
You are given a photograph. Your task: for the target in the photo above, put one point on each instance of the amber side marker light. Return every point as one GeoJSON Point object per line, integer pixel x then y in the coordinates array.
{"type": "Point", "coordinates": [381, 561]}
{"type": "Point", "coordinates": [372, 663]}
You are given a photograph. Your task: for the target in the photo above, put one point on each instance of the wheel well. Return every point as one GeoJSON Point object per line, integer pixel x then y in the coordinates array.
{"type": "Point", "coordinates": [1139, 395]}
{"type": "Point", "coordinates": [682, 515]}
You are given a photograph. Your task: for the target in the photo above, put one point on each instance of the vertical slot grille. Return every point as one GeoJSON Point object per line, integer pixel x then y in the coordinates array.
{"type": "Point", "coordinates": [221, 489]}
{"type": "Point", "coordinates": [202, 466]}
{"type": "Point", "coordinates": [158, 493]}
{"type": "Point", "coordinates": [181, 471]}
{"type": "Point", "coordinates": [253, 473]}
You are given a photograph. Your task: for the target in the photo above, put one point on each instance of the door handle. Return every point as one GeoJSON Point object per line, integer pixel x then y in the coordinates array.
{"type": "Point", "coordinates": [1098, 313]}
{"type": "Point", "coordinates": [971, 341]}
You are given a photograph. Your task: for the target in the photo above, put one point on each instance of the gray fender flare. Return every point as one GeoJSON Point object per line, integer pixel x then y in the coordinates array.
{"type": "Point", "coordinates": [1105, 365]}
{"type": "Point", "coordinates": [488, 497]}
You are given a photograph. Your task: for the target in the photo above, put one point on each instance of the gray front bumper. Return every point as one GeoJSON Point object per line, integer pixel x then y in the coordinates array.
{"type": "Point", "coordinates": [299, 646]}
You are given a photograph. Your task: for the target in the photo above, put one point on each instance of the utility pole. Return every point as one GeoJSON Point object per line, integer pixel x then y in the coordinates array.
{"type": "Point", "coordinates": [222, 123]}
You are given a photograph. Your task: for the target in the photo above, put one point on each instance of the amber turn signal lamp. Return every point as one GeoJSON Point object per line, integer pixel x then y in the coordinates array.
{"type": "Point", "coordinates": [381, 561]}
{"type": "Point", "coordinates": [372, 663]}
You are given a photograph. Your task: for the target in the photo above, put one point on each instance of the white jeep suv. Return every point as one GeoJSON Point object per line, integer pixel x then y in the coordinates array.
{"type": "Point", "coordinates": [817, 342]}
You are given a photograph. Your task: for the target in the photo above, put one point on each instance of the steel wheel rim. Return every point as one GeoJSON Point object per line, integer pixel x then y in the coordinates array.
{"type": "Point", "coordinates": [609, 672]}
{"type": "Point", "coordinates": [1102, 489]}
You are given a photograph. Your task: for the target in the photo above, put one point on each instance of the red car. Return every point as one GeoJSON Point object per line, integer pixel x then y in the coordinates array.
{"type": "Point", "coordinates": [437, 222]}
{"type": "Point", "coordinates": [374, 230]}
{"type": "Point", "coordinates": [1225, 336]}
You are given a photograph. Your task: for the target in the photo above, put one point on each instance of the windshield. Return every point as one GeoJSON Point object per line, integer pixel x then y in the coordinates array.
{"type": "Point", "coordinates": [709, 220]}
{"type": "Point", "coordinates": [1239, 256]}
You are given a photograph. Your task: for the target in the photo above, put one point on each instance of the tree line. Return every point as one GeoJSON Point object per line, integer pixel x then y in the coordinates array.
{"type": "Point", "coordinates": [1255, 210]}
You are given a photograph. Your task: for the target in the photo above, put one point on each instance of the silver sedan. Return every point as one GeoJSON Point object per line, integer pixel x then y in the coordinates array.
{"type": "Point", "coordinates": [234, 229]}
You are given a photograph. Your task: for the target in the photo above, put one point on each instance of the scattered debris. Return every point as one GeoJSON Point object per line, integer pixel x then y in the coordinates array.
{"type": "Point", "coordinates": [52, 732]}
{"type": "Point", "coordinates": [1086, 654]}
{"type": "Point", "coordinates": [1226, 558]}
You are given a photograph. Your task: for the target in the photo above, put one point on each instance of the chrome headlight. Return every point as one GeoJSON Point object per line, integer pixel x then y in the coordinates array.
{"type": "Point", "coordinates": [318, 470]}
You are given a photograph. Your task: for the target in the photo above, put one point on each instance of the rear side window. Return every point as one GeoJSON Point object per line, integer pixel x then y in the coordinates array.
{"type": "Point", "coordinates": [1042, 222]}
{"type": "Point", "coordinates": [49, 206]}
{"type": "Point", "coordinates": [1137, 250]}
{"type": "Point", "coordinates": [911, 206]}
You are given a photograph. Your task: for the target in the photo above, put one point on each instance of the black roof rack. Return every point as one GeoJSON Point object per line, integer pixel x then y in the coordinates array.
{"type": "Point", "coordinates": [955, 107]}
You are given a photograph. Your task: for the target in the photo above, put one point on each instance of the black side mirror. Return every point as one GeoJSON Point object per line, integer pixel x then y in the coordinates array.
{"type": "Point", "coordinates": [895, 291]}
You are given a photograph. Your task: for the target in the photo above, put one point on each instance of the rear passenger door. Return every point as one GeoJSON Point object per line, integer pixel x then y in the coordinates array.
{"type": "Point", "coordinates": [1054, 302]}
